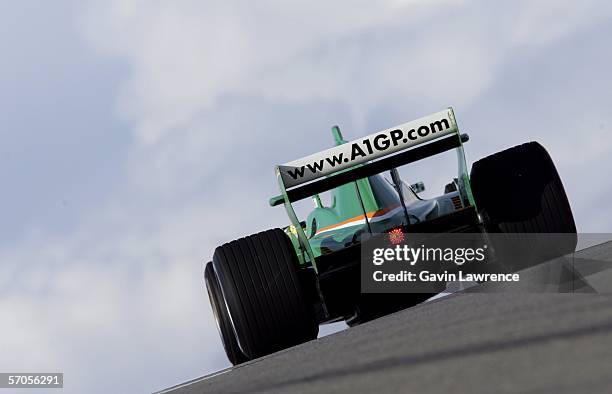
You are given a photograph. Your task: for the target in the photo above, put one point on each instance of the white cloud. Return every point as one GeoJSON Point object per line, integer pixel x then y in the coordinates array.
{"type": "Point", "coordinates": [185, 55]}
{"type": "Point", "coordinates": [217, 93]}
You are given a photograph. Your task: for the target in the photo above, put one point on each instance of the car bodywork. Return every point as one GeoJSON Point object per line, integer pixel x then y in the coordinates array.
{"type": "Point", "coordinates": [368, 197]}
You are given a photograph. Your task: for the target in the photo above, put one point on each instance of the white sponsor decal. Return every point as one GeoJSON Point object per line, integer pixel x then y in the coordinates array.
{"type": "Point", "coordinates": [368, 148]}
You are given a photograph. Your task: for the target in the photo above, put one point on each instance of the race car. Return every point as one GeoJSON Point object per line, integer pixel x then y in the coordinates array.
{"type": "Point", "coordinates": [271, 290]}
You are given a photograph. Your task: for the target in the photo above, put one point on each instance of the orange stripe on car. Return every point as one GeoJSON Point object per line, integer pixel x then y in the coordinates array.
{"type": "Point", "coordinates": [369, 215]}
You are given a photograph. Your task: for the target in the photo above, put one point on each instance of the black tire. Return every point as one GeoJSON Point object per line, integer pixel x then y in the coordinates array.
{"type": "Point", "coordinates": [258, 275]}
{"type": "Point", "coordinates": [519, 191]}
{"type": "Point", "coordinates": [224, 324]}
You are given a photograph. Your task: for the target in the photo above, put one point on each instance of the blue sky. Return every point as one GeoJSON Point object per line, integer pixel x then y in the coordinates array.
{"type": "Point", "coordinates": [62, 146]}
{"type": "Point", "coordinates": [138, 135]}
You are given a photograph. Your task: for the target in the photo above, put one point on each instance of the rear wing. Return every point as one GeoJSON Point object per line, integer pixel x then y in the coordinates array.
{"type": "Point", "coordinates": [368, 156]}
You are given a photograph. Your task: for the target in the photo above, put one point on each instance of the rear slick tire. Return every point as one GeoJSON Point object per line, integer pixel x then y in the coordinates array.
{"type": "Point", "coordinates": [519, 191]}
{"type": "Point", "coordinates": [259, 279]}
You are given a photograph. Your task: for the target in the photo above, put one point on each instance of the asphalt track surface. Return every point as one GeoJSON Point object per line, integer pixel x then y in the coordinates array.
{"type": "Point", "coordinates": [479, 342]}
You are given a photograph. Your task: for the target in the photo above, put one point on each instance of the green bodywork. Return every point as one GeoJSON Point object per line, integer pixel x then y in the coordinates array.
{"type": "Point", "coordinates": [333, 227]}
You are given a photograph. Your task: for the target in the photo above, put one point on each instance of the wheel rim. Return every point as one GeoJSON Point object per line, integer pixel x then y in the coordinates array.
{"type": "Point", "coordinates": [213, 302]}
{"type": "Point", "coordinates": [223, 322]}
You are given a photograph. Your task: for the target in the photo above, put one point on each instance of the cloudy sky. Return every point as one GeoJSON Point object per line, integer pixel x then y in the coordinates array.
{"type": "Point", "coordinates": [138, 135]}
